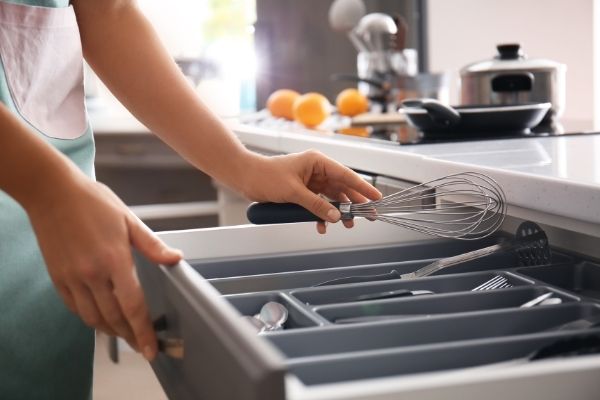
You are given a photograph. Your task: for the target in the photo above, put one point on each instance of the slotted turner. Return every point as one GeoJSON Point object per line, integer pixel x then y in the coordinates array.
{"type": "Point", "coordinates": [530, 246]}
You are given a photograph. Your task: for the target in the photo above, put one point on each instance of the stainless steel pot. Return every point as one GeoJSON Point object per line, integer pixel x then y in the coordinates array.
{"type": "Point", "coordinates": [511, 78]}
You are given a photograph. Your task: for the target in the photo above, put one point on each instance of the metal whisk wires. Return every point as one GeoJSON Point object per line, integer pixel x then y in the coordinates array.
{"type": "Point", "coordinates": [465, 206]}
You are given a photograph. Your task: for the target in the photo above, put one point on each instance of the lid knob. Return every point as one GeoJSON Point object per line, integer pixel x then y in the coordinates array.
{"type": "Point", "coordinates": [509, 51]}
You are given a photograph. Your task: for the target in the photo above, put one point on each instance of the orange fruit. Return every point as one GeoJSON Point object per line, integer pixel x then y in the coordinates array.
{"type": "Point", "coordinates": [355, 131]}
{"type": "Point", "coordinates": [351, 102]}
{"type": "Point", "coordinates": [311, 109]}
{"type": "Point", "coordinates": [280, 103]}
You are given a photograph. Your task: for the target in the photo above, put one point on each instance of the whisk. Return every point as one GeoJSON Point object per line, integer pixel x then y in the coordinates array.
{"type": "Point", "coordinates": [465, 206]}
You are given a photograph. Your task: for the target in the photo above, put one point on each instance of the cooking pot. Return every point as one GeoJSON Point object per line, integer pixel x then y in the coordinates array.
{"type": "Point", "coordinates": [390, 92]}
{"type": "Point", "coordinates": [435, 118]}
{"type": "Point", "coordinates": [512, 78]}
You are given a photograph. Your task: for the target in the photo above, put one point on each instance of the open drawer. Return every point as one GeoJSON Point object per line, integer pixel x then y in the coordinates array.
{"type": "Point", "coordinates": [438, 346]}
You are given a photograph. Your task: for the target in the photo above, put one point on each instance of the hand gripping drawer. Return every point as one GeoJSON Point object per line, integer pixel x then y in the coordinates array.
{"type": "Point", "coordinates": [223, 360]}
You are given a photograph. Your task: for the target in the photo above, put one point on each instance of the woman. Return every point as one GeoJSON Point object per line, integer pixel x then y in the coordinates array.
{"type": "Point", "coordinates": [65, 240]}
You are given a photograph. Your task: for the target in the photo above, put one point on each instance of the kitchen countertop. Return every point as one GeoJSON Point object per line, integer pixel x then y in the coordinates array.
{"type": "Point", "coordinates": [557, 179]}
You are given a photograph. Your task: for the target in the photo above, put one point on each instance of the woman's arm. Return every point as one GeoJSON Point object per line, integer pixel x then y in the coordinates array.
{"type": "Point", "coordinates": [84, 232]}
{"type": "Point", "coordinates": [123, 49]}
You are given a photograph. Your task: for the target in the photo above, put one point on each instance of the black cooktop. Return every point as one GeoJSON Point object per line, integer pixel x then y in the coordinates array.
{"type": "Point", "coordinates": [408, 135]}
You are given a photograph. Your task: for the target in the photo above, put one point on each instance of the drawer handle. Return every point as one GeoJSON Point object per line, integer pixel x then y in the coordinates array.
{"type": "Point", "coordinates": [172, 347]}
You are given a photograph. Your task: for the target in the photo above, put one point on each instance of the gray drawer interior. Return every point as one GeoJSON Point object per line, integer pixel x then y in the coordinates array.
{"type": "Point", "coordinates": [334, 334]}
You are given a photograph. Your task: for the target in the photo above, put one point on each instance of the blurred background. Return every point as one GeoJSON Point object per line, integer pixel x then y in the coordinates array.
{"type": "Point", "coordinates": [237, 52]}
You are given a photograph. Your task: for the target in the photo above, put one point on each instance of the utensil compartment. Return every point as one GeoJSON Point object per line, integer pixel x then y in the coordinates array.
{"type": "Point", "coordinates": [293, 271]}
{"type": "Point", "coordinates": [298, 317]}
{"type": "Point", "coordinates": [423, 359]}
{"type": "Point", "coordinates": [582, 278]}
{"type": "Point", "coordinates": [399, 333]}
{"type": "Point", "coordinates": [334, 258]}
{"type": "Point", "coordinates": [437, 284]}
{"type": "Point", "coordinates": [425, 306]}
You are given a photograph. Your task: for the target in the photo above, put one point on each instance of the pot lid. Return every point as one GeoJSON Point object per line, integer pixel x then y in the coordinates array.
{"type": "Point", "coordinates": [510, 57]}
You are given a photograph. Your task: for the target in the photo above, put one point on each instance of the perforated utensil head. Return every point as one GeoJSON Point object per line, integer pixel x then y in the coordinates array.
{"type": "Point", "coordinates": [535, 249]}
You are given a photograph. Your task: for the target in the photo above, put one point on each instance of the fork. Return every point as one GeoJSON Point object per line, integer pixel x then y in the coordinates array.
{"type": "Point", "coordinates": [497, 282]}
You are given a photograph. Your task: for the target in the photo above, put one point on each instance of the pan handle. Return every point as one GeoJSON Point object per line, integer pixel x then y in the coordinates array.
{"type": "Point", "coordinates": [280, 213]}
{"type": "Point", "coordinates": [441, 114]}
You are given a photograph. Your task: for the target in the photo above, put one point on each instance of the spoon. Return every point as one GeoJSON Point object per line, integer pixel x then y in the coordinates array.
{"type": "Point", "coordinates": [273, 315]}
{"type": "Point", "coordinates": [258, 325]}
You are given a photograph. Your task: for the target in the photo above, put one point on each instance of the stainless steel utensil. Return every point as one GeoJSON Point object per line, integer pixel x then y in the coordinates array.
{"type": "Point", "coordinates": [257, 324]}
{"type": "Point", "coordinates": [274, 315]}
{"type": "Point", "coordinates": [377, 29]}
{"type": "Point", "coordinates": [389, 294]}
{"type": "Point", "coordinates": [497, 282]}
{"type": "Point", "coordinates": [530, 247]}
{"type": "Point", "coordinates": [537, 300]}
{"type": "Point", "coordinates": [393, 274]}
{"type": "Point", "coordinates": [344, 16]}
{"type": "Point", "coordinates": [464, 206]}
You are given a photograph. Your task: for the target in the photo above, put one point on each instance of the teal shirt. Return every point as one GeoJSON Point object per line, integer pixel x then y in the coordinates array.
{"type": "Point", "coordinates": [46, 352]}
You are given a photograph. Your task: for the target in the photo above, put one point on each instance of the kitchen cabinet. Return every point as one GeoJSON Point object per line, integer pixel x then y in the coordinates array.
{"type": "Point", "coordinates": [159, 186]}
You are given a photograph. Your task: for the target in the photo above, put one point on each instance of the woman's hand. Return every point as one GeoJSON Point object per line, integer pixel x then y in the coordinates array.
{"type": "Point", "coordinates": [85, 233]}
{"type": "Point", "coordinates": [300, 178]}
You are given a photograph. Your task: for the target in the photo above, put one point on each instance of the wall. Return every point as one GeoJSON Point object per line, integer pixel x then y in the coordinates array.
{"type": "Point", "coordinates": [463, 31]}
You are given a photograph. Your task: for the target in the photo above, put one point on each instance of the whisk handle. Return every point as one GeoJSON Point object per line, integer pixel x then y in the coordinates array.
{"type": "Point", "coordinates": [280, 213]}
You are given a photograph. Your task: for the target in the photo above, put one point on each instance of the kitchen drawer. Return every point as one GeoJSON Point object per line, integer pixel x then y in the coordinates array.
{"type": "Point", "coordinates": [452, 344]}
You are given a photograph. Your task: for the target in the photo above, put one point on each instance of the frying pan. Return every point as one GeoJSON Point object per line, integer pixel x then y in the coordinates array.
{"type": "Point", "coordinates": [432, 116]}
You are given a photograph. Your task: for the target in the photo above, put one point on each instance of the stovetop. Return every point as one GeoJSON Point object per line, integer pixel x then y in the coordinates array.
{"type": "Point", "coordinates": [408, 135]}
{"type": "Point", "coordinates": [404, 134]}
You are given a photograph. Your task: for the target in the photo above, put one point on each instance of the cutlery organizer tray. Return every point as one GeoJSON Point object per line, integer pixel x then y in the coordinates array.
{"type": "Point", "coordinates": [582, 278]}
{"type": "Point", "coordinates": [330, 336]}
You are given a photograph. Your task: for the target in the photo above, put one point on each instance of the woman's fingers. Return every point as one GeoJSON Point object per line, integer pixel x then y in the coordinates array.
{"type": "Point", "coordinates": [146, 241]}
{"type": "Point", "coordinates": [111, 311]}
{"type": "Point", "coordinates": [66, 296]}
{"type": "Point", "coordinates": [347, 177]}
{"type": "Point", "coordinates": [88, 310]}
{"type": "Point", "coordinates": [130, 297]}
{"type": "Point", "coordinates": [355, 196]}
{"type": "Point", "coordinates": [315, 204]}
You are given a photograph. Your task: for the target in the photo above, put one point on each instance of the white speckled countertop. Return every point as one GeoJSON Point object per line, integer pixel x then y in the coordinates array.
{"type": "Point", "coordinates": [557, 178]}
